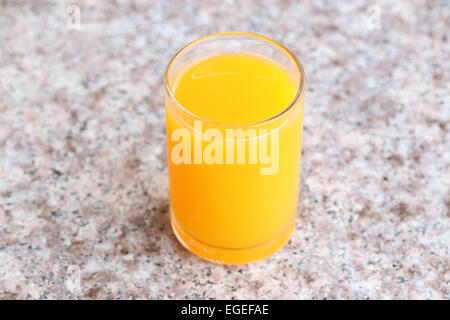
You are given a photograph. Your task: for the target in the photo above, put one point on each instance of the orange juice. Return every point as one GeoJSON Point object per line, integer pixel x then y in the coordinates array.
{"type": "Point", "coordinates": [243, 210]}
{"type": "Point", "coordinates": [235, 88]}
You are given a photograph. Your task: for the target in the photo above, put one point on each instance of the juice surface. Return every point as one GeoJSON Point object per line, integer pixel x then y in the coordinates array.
{"type": "Point", "coordinates": [235, 89]}
{"type": "Point", "coordinates": [231, 213]}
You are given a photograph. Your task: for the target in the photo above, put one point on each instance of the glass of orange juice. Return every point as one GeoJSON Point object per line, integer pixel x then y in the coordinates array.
{"type": "Point", "coordinates": [234, 119]}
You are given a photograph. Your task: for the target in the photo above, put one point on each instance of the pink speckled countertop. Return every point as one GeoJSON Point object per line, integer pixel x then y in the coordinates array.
{"type": "Point", "coordinates": [83, 173]}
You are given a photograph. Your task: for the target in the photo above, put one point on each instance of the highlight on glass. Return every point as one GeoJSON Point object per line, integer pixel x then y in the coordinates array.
{"type": "Point", "coordinates": [234, 119]}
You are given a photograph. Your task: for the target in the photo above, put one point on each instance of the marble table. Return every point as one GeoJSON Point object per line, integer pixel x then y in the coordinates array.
{"type": "Point", "coordinates": [83, 164]}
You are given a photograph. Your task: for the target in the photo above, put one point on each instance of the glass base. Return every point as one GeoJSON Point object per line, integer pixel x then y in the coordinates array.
{"type": "Point", "coordinates": [231, 256]}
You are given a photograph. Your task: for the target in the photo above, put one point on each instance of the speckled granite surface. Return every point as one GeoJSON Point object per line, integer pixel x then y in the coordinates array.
{"type": "Point", "coordinates": [83, 174]}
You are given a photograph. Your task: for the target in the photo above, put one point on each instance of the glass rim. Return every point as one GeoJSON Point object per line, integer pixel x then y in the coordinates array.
{"type": "Point", "coordinates": [300, 90]}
